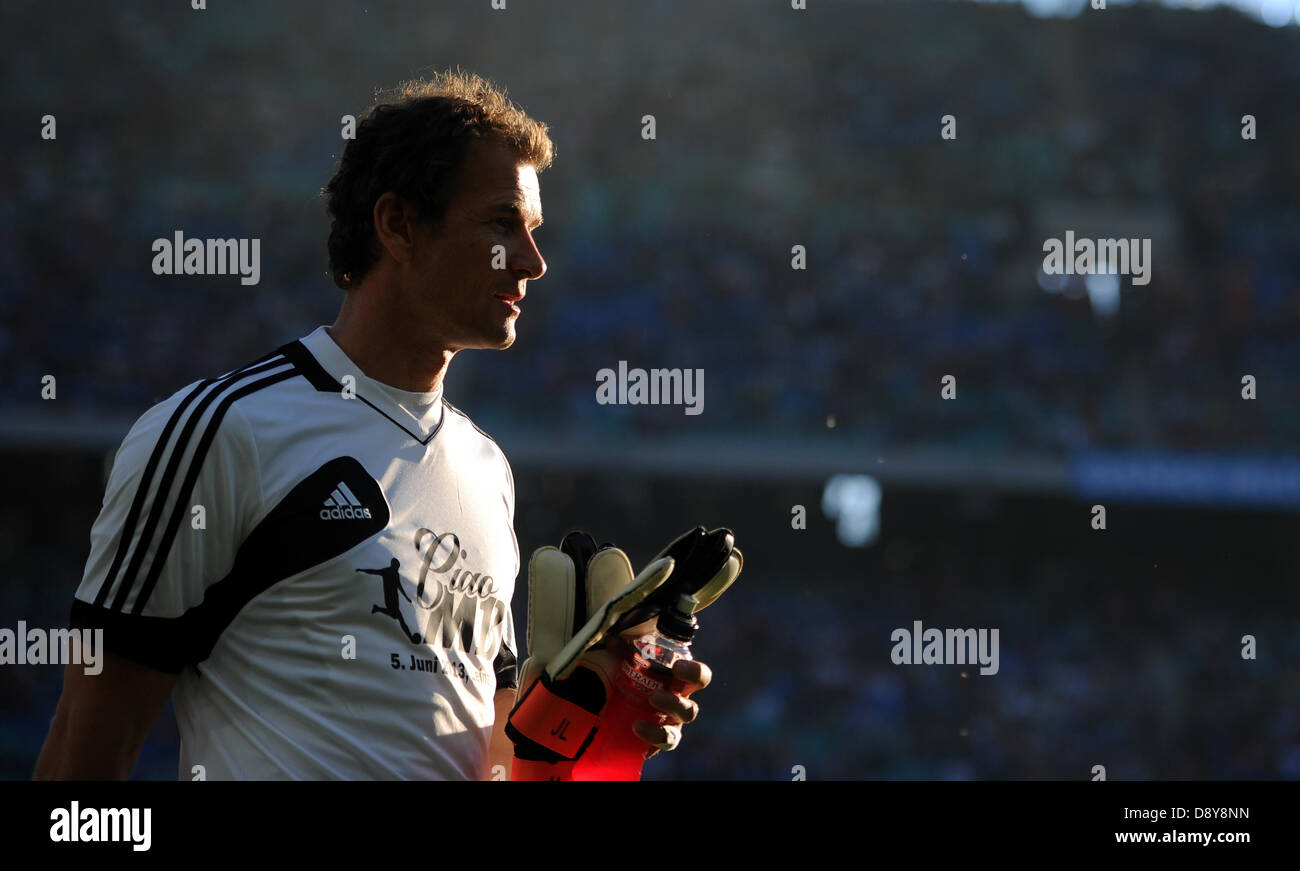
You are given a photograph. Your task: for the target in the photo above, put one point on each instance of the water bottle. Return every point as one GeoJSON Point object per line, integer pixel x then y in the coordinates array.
{"type": "Point", "coordinates": [617, 753]}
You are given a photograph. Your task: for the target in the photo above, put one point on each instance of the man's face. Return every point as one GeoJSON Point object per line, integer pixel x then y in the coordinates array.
{"type": "Point", "coordinates": [452, 290]}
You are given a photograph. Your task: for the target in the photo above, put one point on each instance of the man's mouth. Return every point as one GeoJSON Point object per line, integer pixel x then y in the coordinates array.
{"type": "Point", "coordinates": [511, 300]}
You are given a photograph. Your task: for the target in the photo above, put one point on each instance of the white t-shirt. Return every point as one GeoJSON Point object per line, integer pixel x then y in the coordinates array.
{"type": "Point", "coordinates": [330, 575]}
{"type": "Point", "coordinates": [422, 411]}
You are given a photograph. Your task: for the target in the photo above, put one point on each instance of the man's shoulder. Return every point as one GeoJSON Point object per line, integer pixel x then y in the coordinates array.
{"type": "Point", "coordinates": [466, 424]}
{"type": "Point", "coordinates": [466, 420]}
{"type": "Point", "coordinates": [206, 403]}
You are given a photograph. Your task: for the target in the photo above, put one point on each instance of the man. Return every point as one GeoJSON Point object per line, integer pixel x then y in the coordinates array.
{"type": "Point", "coordinates": [245, 516]}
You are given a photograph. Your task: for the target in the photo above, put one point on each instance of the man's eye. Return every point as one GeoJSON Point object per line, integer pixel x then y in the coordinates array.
{"type": "Point", "coordinates": [505, 223]}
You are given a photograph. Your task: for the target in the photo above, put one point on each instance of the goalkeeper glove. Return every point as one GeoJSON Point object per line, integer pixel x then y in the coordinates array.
{"type": "Point", "coordinates": [580, 596]}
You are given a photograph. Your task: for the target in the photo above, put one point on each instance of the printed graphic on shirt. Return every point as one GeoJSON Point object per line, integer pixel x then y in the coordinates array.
{"type": "Point", "coordinates": [457, 607]}
{"type": "Point", "coordinates": [392, 579]}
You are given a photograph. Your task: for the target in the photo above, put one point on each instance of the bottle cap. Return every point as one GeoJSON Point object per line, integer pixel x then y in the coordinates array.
{"type": "Point", "coordinates": [679, 621]}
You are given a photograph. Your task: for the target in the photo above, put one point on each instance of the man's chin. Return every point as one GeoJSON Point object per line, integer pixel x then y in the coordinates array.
{"type": "Point", "coordinates": [504, 341]}
{"type": "Point", "coordinates": [497, 340]}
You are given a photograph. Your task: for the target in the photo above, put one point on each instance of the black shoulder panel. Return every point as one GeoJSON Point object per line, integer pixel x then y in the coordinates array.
{"type": "Point", "coordinates": [307, 365]}
{"type": "Point", "coordinates": [327, 514]}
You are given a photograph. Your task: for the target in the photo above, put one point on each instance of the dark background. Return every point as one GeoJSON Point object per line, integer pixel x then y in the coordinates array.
{"type": "Point", "coordinates": [1118, 647]}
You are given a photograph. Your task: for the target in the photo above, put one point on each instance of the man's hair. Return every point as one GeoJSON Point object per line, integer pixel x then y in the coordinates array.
{"type": "Point", "coordinates": [413, 142]}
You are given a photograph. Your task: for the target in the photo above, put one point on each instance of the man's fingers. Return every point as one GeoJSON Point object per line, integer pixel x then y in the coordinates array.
{"type": "Point", "coordinates": [695, 675]}
{"type": "Point", "coordinates": [682, 709]}
{"type": "Point", "coordinates": [665, 737]}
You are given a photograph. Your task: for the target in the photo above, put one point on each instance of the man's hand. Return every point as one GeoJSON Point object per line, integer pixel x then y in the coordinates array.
{"type": "Point", "coordinates": [567, 682]}
{"type": "Point", "coordinates": [679, 708]}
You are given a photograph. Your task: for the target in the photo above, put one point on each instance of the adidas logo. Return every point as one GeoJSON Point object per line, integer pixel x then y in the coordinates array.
{"type": "Point", "coordinates": [342, 505]}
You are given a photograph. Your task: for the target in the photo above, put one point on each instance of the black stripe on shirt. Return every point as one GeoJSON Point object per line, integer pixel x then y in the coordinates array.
{"type": "Point", "coordinates": [158, 642]}
{"type": "Point", "coordinates": [192, 476]}
{"type": "Point", "coordinates": [173, 465]}
{"type": "Point", "coordinates": [296, 352]}
{"type": "Point", "coordinates": [127, 533]}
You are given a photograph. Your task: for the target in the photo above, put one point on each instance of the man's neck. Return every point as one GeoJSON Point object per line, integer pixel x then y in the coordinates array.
{"type": "Point", "coordinates": [383, 353]}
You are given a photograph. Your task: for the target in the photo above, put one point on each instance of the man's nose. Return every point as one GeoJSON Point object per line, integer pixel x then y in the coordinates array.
{"type": "Point", "coordinates": [530, 262]}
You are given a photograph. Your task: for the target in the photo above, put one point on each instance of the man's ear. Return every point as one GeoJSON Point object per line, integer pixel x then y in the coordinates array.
{"type": "Point", "coordinates": [395, 224]}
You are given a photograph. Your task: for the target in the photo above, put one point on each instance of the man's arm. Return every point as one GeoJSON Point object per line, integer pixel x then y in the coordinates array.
{"type": "Point", "coordinates": [102, 720]}
{"type": "Point", "coordinates": [501, 750]}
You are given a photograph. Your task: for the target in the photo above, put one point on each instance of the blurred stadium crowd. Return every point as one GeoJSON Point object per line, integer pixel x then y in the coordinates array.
{"type": "Point", "coordinates": [1119, 648]}
{"type": "Point", "coordinates": [1165, 702]}
{"type": "Point", "coordinates": [923, 255]}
